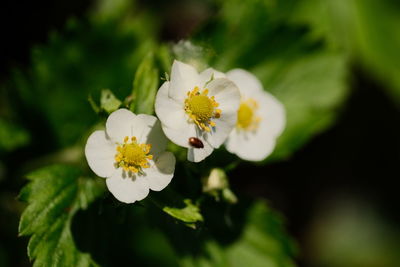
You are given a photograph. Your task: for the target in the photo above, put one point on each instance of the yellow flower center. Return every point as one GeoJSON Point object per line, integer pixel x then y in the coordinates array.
{"type": "Point", "coordinates": [201, 108]}
{"type": "Point", "coordinates": [247, 119]}
{"type": "Point", "coordinates": [133, 156]}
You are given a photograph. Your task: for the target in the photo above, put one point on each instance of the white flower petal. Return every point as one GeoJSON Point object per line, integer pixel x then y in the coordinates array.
{"type": "Point", "coordinates": [227, 95]}
{"type": "Point", "coordinates": [147, 129]}
{"type": "Point", "coordinates": [224, 126]}
{"type": "Point", "coordinates": [206, 75]}
{"type": "Point", "coordinates": [272, 113]}
{"type": "Point", "coordinates": [234, 142]}
{"type": "Point", "coordinates": [173, 118]}
{"type": "Point", "coordinates": [183, 79]}
{"type": "Point", "coordinates": [181, 133]}
{"type": "Point", "coordinates": [127, 189]}
{"type": "Point", "coordinates": [258, 144]}
{"type": "Point", "coordinates": [169, 111]}
{"type": "Point", "coordinates": [119, 124]}
{"type": "Point", "coordinates": [250, 146]}
{"type": "Point", "coordinates": [100, 152]}
{"type": "Point", "coordinates": [246, 81]}
{"type": "Point", "coordinates": [160, 174]}
{"type": "Point", "coordinates": [198, 154]}
{"type": "Point", "coordinates": [143, 124]}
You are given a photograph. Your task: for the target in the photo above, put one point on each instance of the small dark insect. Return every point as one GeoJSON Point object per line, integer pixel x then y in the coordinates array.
{"type": "Point", "coordinates": [195, 142]}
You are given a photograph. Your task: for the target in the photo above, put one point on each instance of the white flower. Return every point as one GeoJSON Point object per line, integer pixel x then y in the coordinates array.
{"type": "Point", "coordinates": [197, 111]}
{"type": "Point", "coordinates": [261, 119]}
{"type": "Point", "coordinates": [130, 154]}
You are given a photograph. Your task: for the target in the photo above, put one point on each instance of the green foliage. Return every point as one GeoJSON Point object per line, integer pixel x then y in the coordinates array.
{"type": "Point", "coordinates": [308, 77]}
{"type": "Point", "coordinates": [366, 30]}
{"type": "Point", "coordinates": [311, 87]}
{"type": "Point", "coordinates": [262, 242]}
{"type": "Point", "coordinates": [54, 194]}
{"type": "Point", "coordinates": [101, 53]}
{"type": "Point", "coordinates": [298, 54]}
{"type": "Point", "coordinates": [181, 209]}
{"type": "Point", "coordinates": [12, 136]}
{"type": "Point", "coordinates": [145, 86]}
{"type": "Point", "coordinates": [164, 58]}
{"type": "Point", "coordinates": [379, 41]}
{"type": "Point", "coordinates": [189, 214]}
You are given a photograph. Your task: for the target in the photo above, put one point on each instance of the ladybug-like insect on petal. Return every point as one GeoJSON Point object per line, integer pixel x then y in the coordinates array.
{"type": "Point", "coordinates": [196, 142]}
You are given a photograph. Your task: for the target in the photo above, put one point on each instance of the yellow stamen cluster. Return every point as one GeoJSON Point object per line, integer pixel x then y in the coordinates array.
{"type": "Point", "coordinates": [201, 108]}
{"type": "Point", "coordinates": [133, 156]}
{"type": "Point", "coordinates": [247, 119]}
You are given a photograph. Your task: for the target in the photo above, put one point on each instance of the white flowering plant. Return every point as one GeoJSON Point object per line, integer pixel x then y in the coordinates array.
{"type": "Point", "coordinates": [152, 143]}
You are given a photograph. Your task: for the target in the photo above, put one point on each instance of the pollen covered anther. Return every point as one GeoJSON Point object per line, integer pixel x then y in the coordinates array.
{"type": "Point", "coordinates": [201, 108]}
{"type": "Point", "coordinates": [132, 156]}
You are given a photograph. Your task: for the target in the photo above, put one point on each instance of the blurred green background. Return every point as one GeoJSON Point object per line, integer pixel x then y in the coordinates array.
{"type": "Point", "coordinates": [334, 175]}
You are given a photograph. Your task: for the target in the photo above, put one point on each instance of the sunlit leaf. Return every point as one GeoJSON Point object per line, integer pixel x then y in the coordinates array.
{"type": "Point", "coordinates": [189, 214]}
{"type": "Point", "coordinates": [54, 194]}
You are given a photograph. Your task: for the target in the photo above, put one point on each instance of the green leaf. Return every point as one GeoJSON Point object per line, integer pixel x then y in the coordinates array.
{"type": "Point", "coordinates": [54, 194]}
{"type": "Point", "coordinates": [379, 41]}
{"type": "Point", "coordinates": [12, 136]}
{"type": "Point", "coordinates": [311, 88]}
{"type": "Point", "coordinates": [260, 25]}
{"type": "Point", "coordinates": [189, 214]}
{"type": "Point", "coordinates": [108, 101]}
{"type": "Point", "coordinates": [145, 86]}
{"type": "Point", "coordinates": [308, 77]}
{"type": "Point", "coordinates": [72, 65]}
{"type": "Point", "coordinates": [367, 30]}
{"type": "Point", "coordinates": [263, 242]}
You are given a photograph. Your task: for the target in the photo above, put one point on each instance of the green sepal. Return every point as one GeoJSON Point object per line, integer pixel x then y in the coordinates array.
{"type": "Point", "coordinates": [108, 101]}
